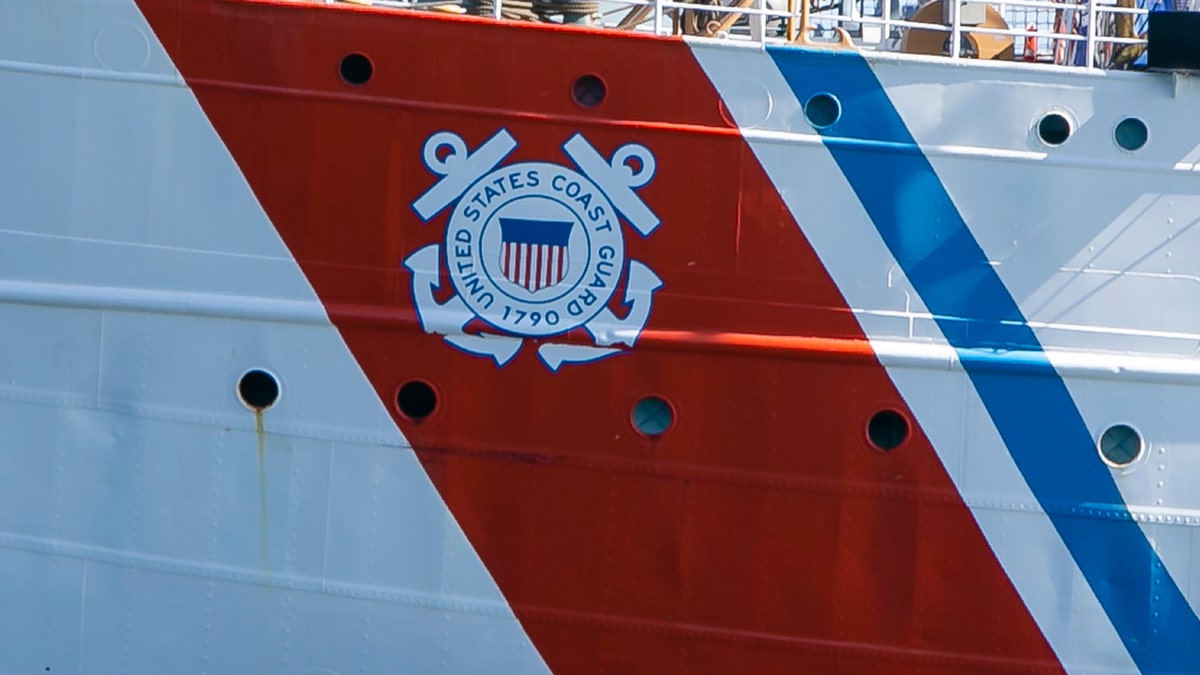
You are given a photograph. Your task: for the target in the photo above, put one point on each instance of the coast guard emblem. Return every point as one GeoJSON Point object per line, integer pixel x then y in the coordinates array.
{"type": "Point", "coordinates": [534, 249]}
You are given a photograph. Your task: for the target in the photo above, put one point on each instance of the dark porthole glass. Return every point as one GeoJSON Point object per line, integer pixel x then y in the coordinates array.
{"type": "Point", "coordinates": [416, 400]}
{"type": "Point", "coordinates": [258, 389]}
{"type": "Point", "coordinates": [589, 91]}
{"type": "Point", "coordinates": [1120, 445]}
{"type": "Point", "coordinates": [653, 416]}
{"type": "Point", "coordinates": [823, 110]}
{"type": "Point", "coordinates": [887, 430]}
{"type": "Point", "coordinates": [1054, 129]}
{"type": "Point", "coordinates": [356, 69]}
{"type": "Point", "coordinates": [1131, 134]}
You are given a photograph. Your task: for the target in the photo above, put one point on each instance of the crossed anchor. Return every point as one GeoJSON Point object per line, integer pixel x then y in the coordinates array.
{"type": "Point", "coordinates": [446, 154]}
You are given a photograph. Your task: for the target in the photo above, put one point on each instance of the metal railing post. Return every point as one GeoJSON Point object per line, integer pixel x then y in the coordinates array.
{"type": "Point", "coordinates": [759, 31]}
{"type": "Point", "coordinates": [955, 28]}
{"type": "Point", "coordinates": [658, 17]}
{"type": "Point", "coordinates": [885, 39]}
{"type": "Point", "coordinates": [1091, 35]}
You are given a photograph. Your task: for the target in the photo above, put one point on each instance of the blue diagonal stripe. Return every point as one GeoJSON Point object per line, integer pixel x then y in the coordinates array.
{"type": "Point", "coordinates": [1032, 409]}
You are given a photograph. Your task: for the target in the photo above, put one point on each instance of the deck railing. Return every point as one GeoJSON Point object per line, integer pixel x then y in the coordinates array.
{"type": "Point", "coordinates": [1086, 34]}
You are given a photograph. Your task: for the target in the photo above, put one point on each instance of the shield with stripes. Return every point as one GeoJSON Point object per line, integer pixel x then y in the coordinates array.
{"type": "Point", "coordinates": [534, 252]}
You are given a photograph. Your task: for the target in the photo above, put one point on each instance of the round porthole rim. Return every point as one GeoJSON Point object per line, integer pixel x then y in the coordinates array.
{"type": "Point", "coordinates": [370, 69]}
{"type": "Point", "coordinates": [1145, 129]}
{"type": "Point", "coordinates": [827, 95]}
{"type": "Point", "coordinates": [1067, 115]}
{"type": "Point", "coordinates": [671, 420]}
{"type": "Point", "coordinates": [905, 437]}
{"type": "Point", "coordinates": [237, 389]}
{"type": "Point", "coordinates": [580, 81]}
{"type": "Point", "coordinates": [431, 390]}
{"type": "Point", "coordinates": [1139, 458]}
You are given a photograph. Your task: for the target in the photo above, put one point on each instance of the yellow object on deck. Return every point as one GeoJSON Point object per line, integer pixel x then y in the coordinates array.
{"type": "Point", "coordinates": [933, 40]}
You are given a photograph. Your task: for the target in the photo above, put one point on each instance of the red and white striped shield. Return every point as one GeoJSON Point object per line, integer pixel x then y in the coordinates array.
{"type": "Point", "coordinates": [534, 255]}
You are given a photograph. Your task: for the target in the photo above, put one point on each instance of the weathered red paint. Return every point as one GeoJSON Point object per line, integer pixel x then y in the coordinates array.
{"type": "Point", "coordinates": [762, 533]}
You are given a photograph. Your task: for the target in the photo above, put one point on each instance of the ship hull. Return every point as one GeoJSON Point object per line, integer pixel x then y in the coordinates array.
{"type": "Point", "coordinates": [209, 190]}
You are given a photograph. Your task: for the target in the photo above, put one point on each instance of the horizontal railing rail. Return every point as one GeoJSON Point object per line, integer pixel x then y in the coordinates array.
{"type": "Point", "coordinates": [1041, 31]}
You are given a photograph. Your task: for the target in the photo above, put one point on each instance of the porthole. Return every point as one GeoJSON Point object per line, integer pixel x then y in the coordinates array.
{"type": "Point", "coordinates": [356, 69]}
{"type": "Point", "coordinates": [1054, 129]}
{"type": "Point", "coordinates": [1120, 445]}
{"type": "Point", "coordinates": [887, 430]}
{"type": "Point", "coordinates": [1131, 134]}
{"type": "Point", "coordinates": [823, 110]}
{"type": "Point", "coordinates": [416, 400]}
{"type": "Point", "coordinates": [653, 416]}
{"type": "Point", "coordinates": [258, 389]}
{"type": "Point", "coordinates": [589, 91]}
